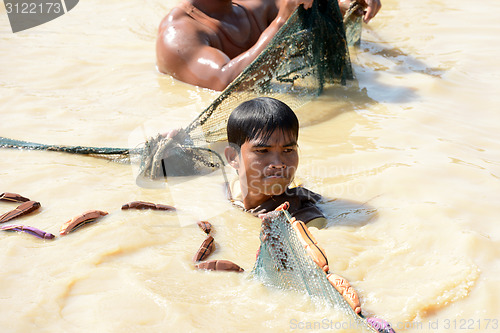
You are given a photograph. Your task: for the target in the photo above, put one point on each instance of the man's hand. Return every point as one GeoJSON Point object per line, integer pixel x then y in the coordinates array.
{"type": "Point", "coordinates": [287, 7]}
{"type": "Point", "coordinates": [370, 8]}
{"type": "Point", "coordinates": [295, 3]}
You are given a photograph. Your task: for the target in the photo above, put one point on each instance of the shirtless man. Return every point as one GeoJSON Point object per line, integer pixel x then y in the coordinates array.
{"type": "Point", "coordinates": [208, 43]}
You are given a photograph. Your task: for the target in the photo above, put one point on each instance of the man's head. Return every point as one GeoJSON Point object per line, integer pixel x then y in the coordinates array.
{"type": "Point", "coordinates": [262, 135]}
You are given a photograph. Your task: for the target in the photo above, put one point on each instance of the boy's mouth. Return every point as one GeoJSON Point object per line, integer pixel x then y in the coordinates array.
{"type": "Point", "coordinates": [274, 175]}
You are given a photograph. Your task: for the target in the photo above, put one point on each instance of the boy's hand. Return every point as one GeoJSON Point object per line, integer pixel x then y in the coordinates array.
{"type": "Point", "coordinates": [177, 134]}
{"type": "Point", "coordinates": [171, 133]}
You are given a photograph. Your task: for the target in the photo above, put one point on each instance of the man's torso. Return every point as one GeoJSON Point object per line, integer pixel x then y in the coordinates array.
{"type": "Point", "coordinates": [232, 35]}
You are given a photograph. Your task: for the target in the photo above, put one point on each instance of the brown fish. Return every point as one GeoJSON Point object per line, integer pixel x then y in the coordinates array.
{"type": "Point", "coordinates": [78, 221]}
{"type": "Point", "coordinates": [207, 247]}
{"type": "Point", "coordinates": [23, 209]}
{"type": "Point", "coordinates": [205, 226]}
{"type": "Point", "coordinates": [14, 197]}
{"type": "Point", "coordinates": [146, 205]}
{"type": "Point", "coordinates": [219, 265]}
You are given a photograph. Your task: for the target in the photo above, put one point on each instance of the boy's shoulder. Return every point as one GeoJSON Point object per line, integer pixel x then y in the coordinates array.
{"type": "Point", "coordinates": [303, 193]}
{"type": "Point", "coordinates": [302, 204]}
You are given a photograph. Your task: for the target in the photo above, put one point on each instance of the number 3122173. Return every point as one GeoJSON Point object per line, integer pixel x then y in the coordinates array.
{"type": "Point", "coordinates": [471, 324]}
{"type": "Point", "coordinates": [33, 8]}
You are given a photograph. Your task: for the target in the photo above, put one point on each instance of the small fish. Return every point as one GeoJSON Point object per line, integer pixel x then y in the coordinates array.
{"type": "Point", "coordinates": [146, 205]}
{"type": "Point", "coordinates": [14, 197]}
{"type": "Point", "coordinates": [30, 230]}
{"type": "Point", "coordinates": [219, 265]}
{"type": "Point", "coordinates": [23, 209]}
{"type": "Point", "coordinates": [78, 221]}
{"type": "Point", "coordinates": [207, 247]}
{"type": "Point", "coordinates": [205, 226]}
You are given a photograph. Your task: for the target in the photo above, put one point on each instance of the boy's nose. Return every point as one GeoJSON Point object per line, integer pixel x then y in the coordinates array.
{"type": "Point", "coordinates": [277, 163]}
{"type": "Point", "coordinates": [278, 166]}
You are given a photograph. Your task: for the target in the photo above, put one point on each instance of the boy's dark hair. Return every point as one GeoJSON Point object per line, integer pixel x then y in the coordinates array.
{"type": "Point", "coordinates": [260, 117]}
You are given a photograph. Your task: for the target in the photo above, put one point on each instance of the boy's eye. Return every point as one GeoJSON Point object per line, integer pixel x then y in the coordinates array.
{"type": "Point", "coordinates": [261, 150]}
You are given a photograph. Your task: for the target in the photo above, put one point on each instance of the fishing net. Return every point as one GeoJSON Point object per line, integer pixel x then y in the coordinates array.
{"type": "Point", "coordinates": [115, 154]}
{"type": "Point", "coordinates": [283, 263]}
{"type": "Point", "coordinates": [353, 24]}
{"type": "Point", "coordinates": [308, 53]}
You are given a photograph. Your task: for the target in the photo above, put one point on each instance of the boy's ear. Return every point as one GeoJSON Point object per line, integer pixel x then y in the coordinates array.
{"type": "Point", "coordinates": [232, 157]}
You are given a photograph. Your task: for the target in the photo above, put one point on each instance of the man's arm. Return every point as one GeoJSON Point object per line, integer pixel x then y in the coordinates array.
{"type": "Point", "coordinates": [185, 53]}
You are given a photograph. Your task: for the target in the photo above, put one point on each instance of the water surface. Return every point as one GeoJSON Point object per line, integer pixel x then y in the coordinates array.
{"type": "Point", "coordinates": [409, 159]}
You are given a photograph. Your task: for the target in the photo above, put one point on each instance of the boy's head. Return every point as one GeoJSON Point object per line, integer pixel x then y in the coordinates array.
{"type": "Point", "coordinates": [260, 117]}
{"type": "Point", "coordinates": [262, 135]}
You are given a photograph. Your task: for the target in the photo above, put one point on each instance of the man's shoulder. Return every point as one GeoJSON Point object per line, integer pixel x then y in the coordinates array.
{"type": "Point", "coordinates": [178, 32]}
{"type": "Point", "coordinates": [177, 17]}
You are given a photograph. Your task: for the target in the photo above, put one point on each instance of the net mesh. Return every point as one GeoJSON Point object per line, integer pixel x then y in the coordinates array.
{"type": "Point", "coordinates": [309, 52]}
{"type": "Point", "coordinates": [353, 24]}
{"type": "Point", "coordinates": [283, 263]}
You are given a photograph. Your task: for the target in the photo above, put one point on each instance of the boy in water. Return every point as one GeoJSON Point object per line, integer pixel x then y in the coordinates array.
{"type": "Point", "coordinates": [262, 135]}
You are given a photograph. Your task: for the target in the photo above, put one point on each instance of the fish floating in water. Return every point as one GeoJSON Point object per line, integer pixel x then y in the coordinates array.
{"type": "Point", "coordinates": [30, 230]}
{"type": "Point", "coordinates": [219, 265]}
{"type": "Point", "coordinates": [27, 206]}
{"type": "Point", "coordinates": [205, 226]}
{"type": "Point", "coordinates": [23, 209]}
{"type": "Point", "coordinates": [13, 197]}
{"type": "Point", "coordinates": [80, 220]}
{"type": "Point", "coordinates": [146, 205]}
{"type": "Point", "coordinates": [206, 248]}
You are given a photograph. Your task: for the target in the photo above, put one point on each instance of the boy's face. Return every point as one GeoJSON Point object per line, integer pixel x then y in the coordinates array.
{"type": "Point", "coordinates": [266, 168]}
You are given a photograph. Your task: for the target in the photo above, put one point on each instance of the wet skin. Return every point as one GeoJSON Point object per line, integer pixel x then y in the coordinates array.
{"type": "Point", "coordinates": [265, 167]}
{"type": "Point", "coordinates": [193, 53]}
